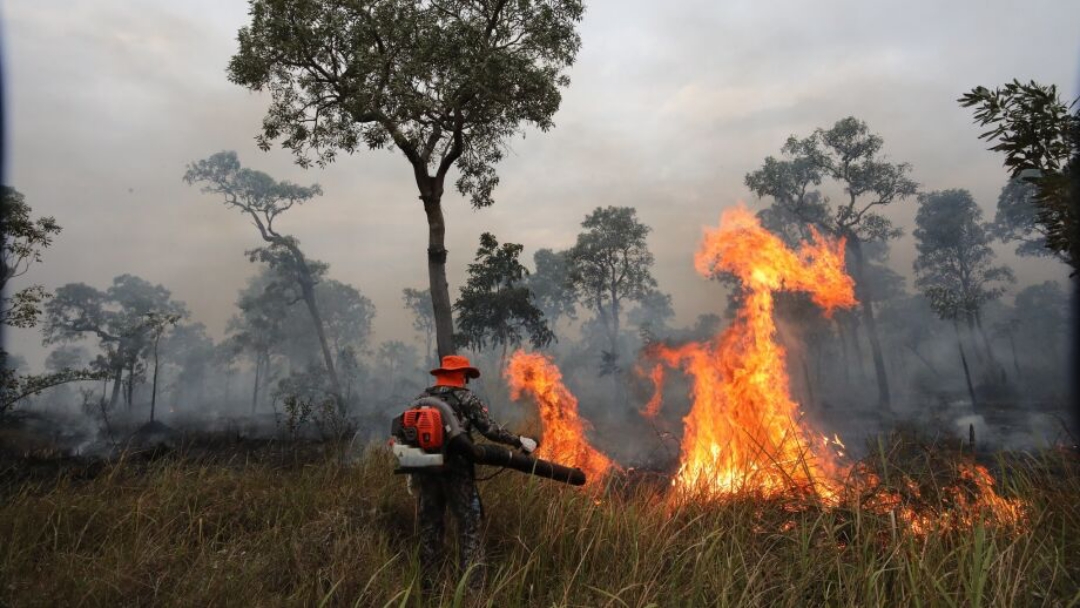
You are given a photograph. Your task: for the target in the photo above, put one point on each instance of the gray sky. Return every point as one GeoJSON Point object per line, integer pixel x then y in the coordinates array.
{"type": "Point", "coordinates": [671, 104]}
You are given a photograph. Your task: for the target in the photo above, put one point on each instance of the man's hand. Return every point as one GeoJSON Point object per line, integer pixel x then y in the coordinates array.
{"type": "Point", "coordinates": [527, 445]}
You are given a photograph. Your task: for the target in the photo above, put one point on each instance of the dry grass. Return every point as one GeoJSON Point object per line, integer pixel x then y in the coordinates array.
{"type": "Point", "coordinates": [312, 531]}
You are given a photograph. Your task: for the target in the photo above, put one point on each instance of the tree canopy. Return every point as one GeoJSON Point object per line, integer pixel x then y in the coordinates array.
{"type": "Point", "coordinates": [611, 264]}
{"type": "Point", "coordinates": [264, 199]}
{"type": "Point", "coordinates": [1040, 136]}
{"type": "Point", "coordinates": [550, 286]}
{"type": "Point", "coordinates": [850, 155]}
{"type": "Point", "coordinates": [955, 266]}
{"type": "Point", "coordinates": [496, 307]}
{"type": "Point", "coordinates": [446, 83]}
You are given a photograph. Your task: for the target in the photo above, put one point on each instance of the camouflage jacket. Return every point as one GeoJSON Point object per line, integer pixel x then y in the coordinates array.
{"type": "Point", "coordinates": [472, 413]}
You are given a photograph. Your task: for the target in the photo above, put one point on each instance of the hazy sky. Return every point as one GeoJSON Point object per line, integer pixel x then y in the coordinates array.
{"type": "Point", "coordinates": [671, 104]}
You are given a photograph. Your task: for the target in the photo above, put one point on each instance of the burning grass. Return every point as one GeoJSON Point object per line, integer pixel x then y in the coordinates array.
{"type": "Point", "coordinates": [310, 530]}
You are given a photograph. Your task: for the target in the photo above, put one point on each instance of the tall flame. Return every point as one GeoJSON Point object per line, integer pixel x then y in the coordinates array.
{"type": "Point", "coordinates": [744, 432]}
{"type": "Point", "coordinates": [563, 438]}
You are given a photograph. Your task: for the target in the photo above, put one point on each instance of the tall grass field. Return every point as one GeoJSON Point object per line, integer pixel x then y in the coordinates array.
{"type": "Point", "coordinates": [279, 526]}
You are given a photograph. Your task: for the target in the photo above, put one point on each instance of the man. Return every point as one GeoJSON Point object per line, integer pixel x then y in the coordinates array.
{"type": "Point", "coordinates": [455, 485]}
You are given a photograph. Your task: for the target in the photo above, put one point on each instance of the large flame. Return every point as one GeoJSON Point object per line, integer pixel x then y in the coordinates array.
{"type": "Point", "coordinates": [744, 432]}
{"type": "Point", "coordinates": [563, 439]}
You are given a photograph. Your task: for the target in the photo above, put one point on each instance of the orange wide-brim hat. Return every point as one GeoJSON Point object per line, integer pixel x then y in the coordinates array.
{"type": "Point", "coordinates": [456, 363]}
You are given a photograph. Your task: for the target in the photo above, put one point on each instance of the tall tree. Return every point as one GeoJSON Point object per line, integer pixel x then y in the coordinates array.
{"type": "Point", "coordinates": [157, 324]}
{"type": "Point", "coordinates": [446, 83]}
{"type": "Point", "coordinates": [264, 199]}
{"type": "Point", "coordinates": [955, 266]}
{"type": "Point", "coordinates": [551, 288]}
{"type": "Point", "coordinates": [849, 154]}
{"type": "Point", "coordinates": [256, 329]}
{"type": "Point", "coordinates": [190, 353]}
{"type": "Point", "coordinates": [609, 265]}
{"type": "Point", "coordinates": [1040, 136]}
{"type": "Point", "coordinates": [418, 302]}
{"type": "Point", "coordinates": [495, 306]}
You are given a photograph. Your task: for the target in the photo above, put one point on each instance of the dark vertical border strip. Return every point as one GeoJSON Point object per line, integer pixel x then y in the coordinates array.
{"type": "Point", "coordinates": [1074, 280]}
{"type": "Point", "coordinates": [3, 137]}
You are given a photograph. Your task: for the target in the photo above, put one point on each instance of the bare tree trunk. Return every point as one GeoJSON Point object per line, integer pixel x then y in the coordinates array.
{"type": "Point", "coordinates": [153, 390]}
{"type": "Point", "coordinates": [1016, 361]}
{"type": "Point", "coordinates": [307, 289]}
{"type": "Point", "coordinates": [255, 390]}
{"type": "Point", "coordinates": [871, 328]}
{"type": "Point", "coordinates": [967, 372]}
{"type": "Point", "coordinates": [131, 383]}
{"type": "Point", "coordinates": [116, 386]}
{"type": "Point", "coordinates": [436, 254]}
{"type": "Point", "coordinates": [845, 357]}
{"type": "Point", "coordinates": [998, 369]}
{"type": "Point", "coordinates": [614, 325]}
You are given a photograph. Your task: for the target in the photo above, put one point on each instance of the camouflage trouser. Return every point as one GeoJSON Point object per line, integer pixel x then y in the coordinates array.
{"type": "Point", "coordinates": [456, 489]}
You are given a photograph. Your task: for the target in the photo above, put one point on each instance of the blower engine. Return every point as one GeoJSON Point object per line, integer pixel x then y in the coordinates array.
{"type": "Point", "coordinates": [428, 431]}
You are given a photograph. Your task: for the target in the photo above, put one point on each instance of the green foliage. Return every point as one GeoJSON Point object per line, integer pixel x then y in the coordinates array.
{"type": "Point", "coordinates": [254, 193]}
{"type": "Point", "coordinates": [445, 82]}
{"type": "Point", "coordinates": [496, 307]}
{"type": "Point", "coordinates": [256, 329]}
{"type": "Point", "coordinates": [1017, 220]}
{"type": "Point", "coordinates": [611, 263]}
{"type": "Point", "coordinates": [263, 199]}
{"type": "Point", "coordinates": [1040, 138]}
{"type": "Point", "coordinates": [15, 387]}
{"type": "Point", "coordinates": [847, 153]}
{"type": "Point", "coordinates": [24, 238]}
{"type": "Point", "coordinates": [955, 266]}
{"type": "Point", "coordinates": [23, 308]}
{"type": "Point", "coordinates": [550, 285]}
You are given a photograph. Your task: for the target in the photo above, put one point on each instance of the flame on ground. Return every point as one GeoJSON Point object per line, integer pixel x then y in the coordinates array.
{"type": "Point", "coordinates": [744, 432]}
{"type": "Point", "coordinates": [745, 435]}
{"type": "Point", "coordinates": [563, 439]}
{"type": "Point", "coordinates": [656, 375]}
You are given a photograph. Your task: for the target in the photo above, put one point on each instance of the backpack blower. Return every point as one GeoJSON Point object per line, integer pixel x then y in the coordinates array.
{"type": "Point", "coordinates": [428, 431]}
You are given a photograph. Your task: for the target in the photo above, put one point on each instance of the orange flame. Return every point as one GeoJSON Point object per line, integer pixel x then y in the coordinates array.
{"type": "Point", "coordinates": [563, 439]}
{"type": "Point", "coordinates": [656, 375]}
{"type": "Point", "coordinates": [743, 432]}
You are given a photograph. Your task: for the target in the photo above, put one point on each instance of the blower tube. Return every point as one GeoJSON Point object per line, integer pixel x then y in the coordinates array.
{"type": "Point", "coordinates": [502, 457]}
{"type": "Point", "coordinates": [459, 443]}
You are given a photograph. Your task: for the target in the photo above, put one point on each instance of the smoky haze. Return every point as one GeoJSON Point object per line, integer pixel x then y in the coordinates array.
{"type": "Point", "coordinates": [670, 106]}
